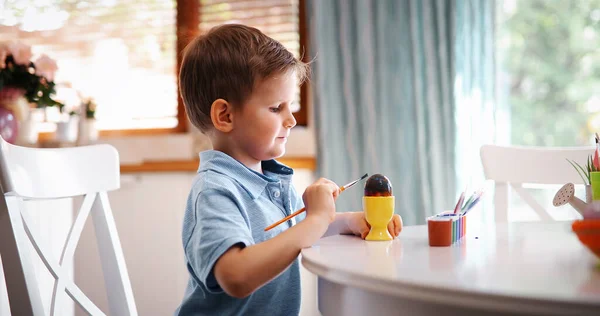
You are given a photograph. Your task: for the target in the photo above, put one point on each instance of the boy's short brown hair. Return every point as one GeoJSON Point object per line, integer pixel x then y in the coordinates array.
{"type": "Point", "coordinates": [226, 63]}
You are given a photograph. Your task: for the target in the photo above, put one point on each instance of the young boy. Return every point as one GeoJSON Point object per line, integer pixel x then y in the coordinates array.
{"type": "Point", "coordinates": [238, 86]}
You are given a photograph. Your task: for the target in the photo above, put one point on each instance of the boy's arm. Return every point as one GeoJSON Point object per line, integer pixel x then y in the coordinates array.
{"type": "Point", "coordinates": [241, 271]}
{"type": "Point", "coordinates": [340, 224]}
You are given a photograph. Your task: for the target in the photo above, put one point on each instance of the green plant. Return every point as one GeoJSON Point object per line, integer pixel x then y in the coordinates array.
{"type": "Point", "coordinates": [584, 173]}
{"type": "Point", "coordinates": [35, 79]}
{"type": "Point", "coordinates": [89, 108]}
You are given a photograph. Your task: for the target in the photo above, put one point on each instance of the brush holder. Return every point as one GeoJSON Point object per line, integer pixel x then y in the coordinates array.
{"type": "Point", "coordinates": [446, 228]}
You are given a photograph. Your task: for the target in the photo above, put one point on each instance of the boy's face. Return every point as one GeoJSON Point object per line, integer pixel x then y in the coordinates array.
{"type": "Point", "coordinates": [262, 125]}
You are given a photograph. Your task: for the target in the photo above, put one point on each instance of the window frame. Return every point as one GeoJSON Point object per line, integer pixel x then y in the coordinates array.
{"type": "Point", "coordinates": [305, 100]}
{"type": "Point", "coordinates": [187, 27]}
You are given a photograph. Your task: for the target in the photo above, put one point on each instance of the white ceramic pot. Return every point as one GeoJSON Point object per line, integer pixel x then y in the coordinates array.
{"type": "Point", "coordinates": [27, 134]}
{"type": "Point", "coordinates": [88, 133]}
{"type": "Point", "coordinates": [66, 132]}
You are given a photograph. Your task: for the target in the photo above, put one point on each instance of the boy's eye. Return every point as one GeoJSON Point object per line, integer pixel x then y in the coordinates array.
{"type": "Point", "coordinates": [275, 109]}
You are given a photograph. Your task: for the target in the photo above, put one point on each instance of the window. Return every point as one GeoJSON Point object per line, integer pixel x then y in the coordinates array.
{"type": "Point", "coordinates": [276, 18]}
{"type": "Point", "coordinates": [121, 53]}
{"type": "Point", "coordinates": [282, 20]}
{"type": "Point", "coordinates": [549, 56]}
{"type": "Point", "coordinates": [550, 52]}
{"type": "Point", "coordinates": [124, 54]}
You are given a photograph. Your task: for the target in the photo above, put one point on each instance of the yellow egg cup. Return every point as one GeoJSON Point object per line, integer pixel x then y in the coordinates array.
{"type": "Point", "coordinates": [378, 213]}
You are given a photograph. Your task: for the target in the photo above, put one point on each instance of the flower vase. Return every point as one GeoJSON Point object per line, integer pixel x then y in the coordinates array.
{"type": "Point", "coordinates": [29, 127]}
{"type": "Point", "coordinates": [8, 125]}
{"type": "Point", "coordinates": [27, 132]}
{"type": "Point", "coordinates": [13, 99]}
{"type": "Point", "coordinates": [88, 133]}
{"type": "Point", "coordinates": [66, 131]}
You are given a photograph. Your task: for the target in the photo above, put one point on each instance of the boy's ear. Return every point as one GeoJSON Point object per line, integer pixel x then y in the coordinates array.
{"type": "Point", "coordinates": [221, 114]}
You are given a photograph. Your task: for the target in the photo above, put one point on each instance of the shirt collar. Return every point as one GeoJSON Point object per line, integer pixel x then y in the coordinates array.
{"type": "Point", "coordinates": [252, 181]}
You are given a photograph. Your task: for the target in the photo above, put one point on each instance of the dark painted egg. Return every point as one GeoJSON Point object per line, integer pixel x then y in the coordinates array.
{"type": "Point", "coordinates": [378, 185]}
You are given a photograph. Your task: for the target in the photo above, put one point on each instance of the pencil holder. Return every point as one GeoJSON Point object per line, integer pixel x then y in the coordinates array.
{"type": "Point", "coordinates": [595, 182]}
{"type": "Point", "coordinates": [446, 228]}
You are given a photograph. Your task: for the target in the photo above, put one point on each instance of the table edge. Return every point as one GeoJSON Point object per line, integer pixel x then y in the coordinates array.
{"type": "Point", "coordinates": [454, 297]}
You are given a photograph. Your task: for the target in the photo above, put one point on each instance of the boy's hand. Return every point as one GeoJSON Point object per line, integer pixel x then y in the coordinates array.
{"type": "Point", "coordinates": [319, 199]}
{"type": "Point", "coordinates": [358, 225]}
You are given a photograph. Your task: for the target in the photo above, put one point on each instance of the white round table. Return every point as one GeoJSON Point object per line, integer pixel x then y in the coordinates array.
{"type": "Point", "coordinates": [516, 268]}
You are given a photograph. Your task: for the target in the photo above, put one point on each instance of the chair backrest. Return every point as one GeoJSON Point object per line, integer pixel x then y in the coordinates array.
{"type": "Point", "coordinates": [515, 165]}
{"type": "Point", "coordinates": [51, 173]}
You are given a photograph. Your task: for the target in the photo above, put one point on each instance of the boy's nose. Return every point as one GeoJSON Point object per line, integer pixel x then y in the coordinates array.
{"type": "Point", "coordinates": [290, 121]}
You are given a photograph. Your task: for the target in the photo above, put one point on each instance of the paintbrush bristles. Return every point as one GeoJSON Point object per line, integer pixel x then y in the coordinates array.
{"type": "Point", "coordinates": [353, 182]}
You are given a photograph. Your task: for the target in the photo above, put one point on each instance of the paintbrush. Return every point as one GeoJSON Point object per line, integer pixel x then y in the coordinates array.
{"type": "Point", "coordinates": [342, 189]}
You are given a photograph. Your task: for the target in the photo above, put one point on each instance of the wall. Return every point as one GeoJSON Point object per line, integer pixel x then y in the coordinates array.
{"type": "Point", "coordinates": [136, 149]}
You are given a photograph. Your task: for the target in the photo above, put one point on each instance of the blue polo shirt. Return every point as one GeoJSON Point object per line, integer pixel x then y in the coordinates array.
{"type": "Point", "coordinates": [230, 204]}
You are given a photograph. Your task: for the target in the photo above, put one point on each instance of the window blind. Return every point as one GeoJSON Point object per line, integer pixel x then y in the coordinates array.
{"type": "Point", "coordinates": [276, 18]}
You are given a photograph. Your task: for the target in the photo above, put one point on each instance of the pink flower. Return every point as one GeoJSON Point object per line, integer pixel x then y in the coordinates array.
{"type": "Point", "coordinates": [21, 53]}
{"type": "Point", "coordinates": [3, 53]}
{"type": "Point", "coordinates": [45, 67]}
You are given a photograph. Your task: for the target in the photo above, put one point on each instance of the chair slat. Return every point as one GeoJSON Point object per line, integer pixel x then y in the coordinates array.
{"type": "Point", "coordinates": [120, 296]}
{"type": "Point", "coordinates": [66, 259]}
{"type": "Point", "coordinates": [533, 165]}
{"type": "Point", "coordinates": [77, 229]}
{"type": "Point", "coordinates": [539, 210]}
{"type": "Point", "coordinates": [83, 302]}
{"type": "Point", "coordinates": [58, 172]}
{"type": "Point", "coordinates": [517, 165]}
{"type": "Point", "coordinates": [19, 271]}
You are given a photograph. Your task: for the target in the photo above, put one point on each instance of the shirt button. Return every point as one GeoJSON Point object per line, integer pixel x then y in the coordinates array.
{"type": "Point", "coordinates": [276, 194]}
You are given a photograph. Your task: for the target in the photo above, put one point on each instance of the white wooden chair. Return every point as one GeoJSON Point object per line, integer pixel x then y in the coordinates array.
{"type": "Point", "coordinates": [514, 166]}
{"type": "Point", "coordinates": [42, 174]}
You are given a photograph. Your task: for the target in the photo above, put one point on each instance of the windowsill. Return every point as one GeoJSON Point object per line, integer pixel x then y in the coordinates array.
{"type": "Point", "coordinates": [191, 165]}
{"type": "Point", "coordinates": [178, 152]}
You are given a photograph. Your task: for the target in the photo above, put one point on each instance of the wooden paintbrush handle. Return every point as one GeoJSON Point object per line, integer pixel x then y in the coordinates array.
{"type": "Point", "coordinates": [285, 218]}
{"type": "Point", "coordinates": [293, 214]}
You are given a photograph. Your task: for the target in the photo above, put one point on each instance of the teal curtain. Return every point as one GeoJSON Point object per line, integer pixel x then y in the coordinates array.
{"type": "Point", "coordinates": [482, 118]}
{"type": "Point", "coordinates": [383, 98]}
